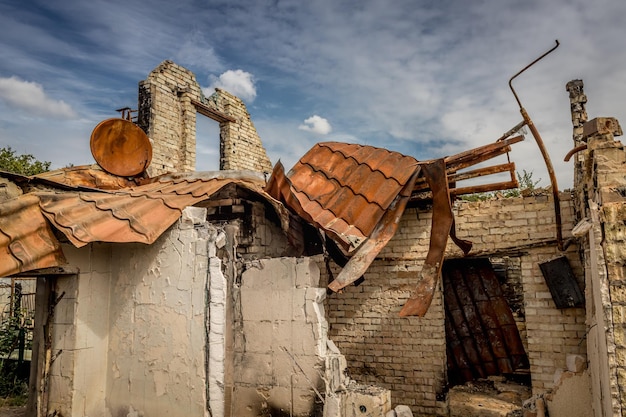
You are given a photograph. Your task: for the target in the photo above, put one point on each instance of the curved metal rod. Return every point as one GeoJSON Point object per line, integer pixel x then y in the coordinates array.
{"type": "Point", "coordinates": [528, 66]}
{"type": "Point", "coordinates": [575, 151]}
{"type": "Point", "coordinates": [544, 153]}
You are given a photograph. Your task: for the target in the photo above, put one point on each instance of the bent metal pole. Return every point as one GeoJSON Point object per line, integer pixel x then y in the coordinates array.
{"type": "Point", "coordinates": [531, 126]}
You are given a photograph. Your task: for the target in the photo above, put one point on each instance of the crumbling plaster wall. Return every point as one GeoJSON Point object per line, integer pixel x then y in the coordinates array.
{"type": "Point", "coordinates": [79, 333]}
{"type": "Point", "coordinates": [157, 323]}
{"type": "Point", "coordinates": [167, 114]}
{"type": "Point", "coordinates": [408, 355]}
{"type": "Point", "coordinates": [129, 332]}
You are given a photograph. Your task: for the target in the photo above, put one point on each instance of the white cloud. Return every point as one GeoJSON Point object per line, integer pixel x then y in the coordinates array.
{"type": "Point", "coordinates": [237, 82]}
{"type": "Point", "coordinates": [31, 97]}
{"type": "Point", "coordinates": [316, 124]}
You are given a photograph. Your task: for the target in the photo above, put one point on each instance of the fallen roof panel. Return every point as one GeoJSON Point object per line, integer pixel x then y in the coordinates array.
{"type": "Point", "coordinates": [343, 188]}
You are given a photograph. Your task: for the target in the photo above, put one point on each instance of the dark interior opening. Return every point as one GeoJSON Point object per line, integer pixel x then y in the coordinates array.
{"type": "Point", "coordinates": [482, 336]}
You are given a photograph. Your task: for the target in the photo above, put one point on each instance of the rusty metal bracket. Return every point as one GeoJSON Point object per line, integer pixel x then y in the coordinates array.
{"type": "Point", "coordinates": [528, 122]}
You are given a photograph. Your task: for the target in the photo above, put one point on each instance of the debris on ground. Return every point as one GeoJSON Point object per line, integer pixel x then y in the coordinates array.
{"type": "Point", "coordinates": [491, 397]}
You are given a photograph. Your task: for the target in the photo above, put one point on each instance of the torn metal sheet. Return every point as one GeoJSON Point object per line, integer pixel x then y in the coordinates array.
{"type": "Point", "coordinates": [137, 214]}
{"type": "Point", "coordinates": [357, 195]}
{"type": "Point", "coordinates": [380, 236]}
{"type": "Point", "coordinates": [88, 176]}
{"type": "Point", "coordinates": [442, 221]}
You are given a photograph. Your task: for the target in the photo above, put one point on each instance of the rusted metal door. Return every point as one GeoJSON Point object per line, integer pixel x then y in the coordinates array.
{"type": "Point", "coordinates": [481, 333]}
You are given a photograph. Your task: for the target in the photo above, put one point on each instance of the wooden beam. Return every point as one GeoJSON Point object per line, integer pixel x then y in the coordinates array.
{"type": "Point", "coordinates": [55, 270]}
{"type": "Point", "coordinates": [480, 172]}
{"type": "Point", "coordinates": [485, 188]}
{"type": "Point", "coordinates": [211, 113]}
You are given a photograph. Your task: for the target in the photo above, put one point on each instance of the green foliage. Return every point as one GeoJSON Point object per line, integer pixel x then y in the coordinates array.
{"type": "Point", "coordinates": [526, 185]}
{"type": "Point", "coordinates": [12, 331]}
{"type": "Point", "coordinates": [21, 164]}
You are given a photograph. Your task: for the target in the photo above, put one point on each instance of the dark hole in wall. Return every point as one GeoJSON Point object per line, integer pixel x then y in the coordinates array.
{"type": "Point", "coordinates": [482, 337]}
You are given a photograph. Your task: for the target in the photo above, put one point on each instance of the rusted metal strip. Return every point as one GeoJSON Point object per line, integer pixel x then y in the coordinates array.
{"type": "Point", "coordinates": [482, 153]}
{"type": "Point", "coordinates": [481, 172]}
{"type": "Point", "coordinates": [484, 188]}
{"type": "Point", "coordinates": [464, 245]}
{"type": "Point", "coordinates": [442, 220]}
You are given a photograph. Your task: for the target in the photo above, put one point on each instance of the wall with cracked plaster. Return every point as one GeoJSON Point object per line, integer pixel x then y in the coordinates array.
{"type": "Point", "coordinates": [130, 332]}
{"type": "Point", "coordinates": [279, 360]}
{"type": "Point", "coordinates": [157, 334]}
{"type": "Point", "coordinates": [80, 334]}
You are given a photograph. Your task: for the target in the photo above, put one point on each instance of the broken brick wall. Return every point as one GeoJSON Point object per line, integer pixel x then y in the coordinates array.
{"type": "Point", "coordinates": [601, 193]}
{"type": "Point", "coordinates": [168, 117]}
{"type": "Point", "coordinates": [408, 355]}
{"type": "Point", "coordinates": [168, 105]}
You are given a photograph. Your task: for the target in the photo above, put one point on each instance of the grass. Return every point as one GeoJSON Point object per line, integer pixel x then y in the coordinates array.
{"type": "Point", "coordinates": [14, 401]}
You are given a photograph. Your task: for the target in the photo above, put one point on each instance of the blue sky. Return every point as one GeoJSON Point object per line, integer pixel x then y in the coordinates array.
{"type": "Point", "coordinates": [425, 78]}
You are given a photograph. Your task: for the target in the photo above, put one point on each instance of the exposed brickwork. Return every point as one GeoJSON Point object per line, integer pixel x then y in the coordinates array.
{"type": "Point", "coordinates": [168, 116]}
{"type": "Point", "coordinates": [240, 145]}
{"type": "Point", "coordinates": [408, 355]}
{"type": "Point", "coordinates": [605, 255]}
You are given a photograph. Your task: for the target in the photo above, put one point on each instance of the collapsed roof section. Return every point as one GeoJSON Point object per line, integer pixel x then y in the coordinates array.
{"type": "Point", "coordinates": [355, 194]}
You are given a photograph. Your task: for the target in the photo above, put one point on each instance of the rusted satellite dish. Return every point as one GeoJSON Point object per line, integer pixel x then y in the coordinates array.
{"type": "Point", "coordinates": [120, 147]}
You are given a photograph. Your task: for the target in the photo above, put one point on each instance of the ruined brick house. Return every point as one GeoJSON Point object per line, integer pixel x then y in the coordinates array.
{"type": "Point", "coordinates": [200, 294]}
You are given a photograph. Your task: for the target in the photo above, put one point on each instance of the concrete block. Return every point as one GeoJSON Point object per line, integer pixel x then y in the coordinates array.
{"type": "Point", "coordinates": [333, 406]}
{"type": "Point", "coordinates": [281, 303]}
{"type": "Point", "coordinates": [403, 411]}
{"type": "Point", "coordinates": [255, 305]}
{"type": "Point", "coordinates": [255, 369]}
{"type": "Point", "coordinates": [259, 336]}
{"type": "Point", "coordinates": [307, 273]}
{"type": "Point", "coordinates": [576, 363]}
{"type": "Point", "coordinates": [258, 277]}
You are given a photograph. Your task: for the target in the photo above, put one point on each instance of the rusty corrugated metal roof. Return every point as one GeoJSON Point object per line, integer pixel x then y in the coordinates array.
{"type": "Point", "coordinates": [26, 239]}
{"type": "Point", "coordinates": [344, 189]}
{"type": "Point", "coordinates": [89, 176]}
{"type": "Point", "coordinates": [134, 214]}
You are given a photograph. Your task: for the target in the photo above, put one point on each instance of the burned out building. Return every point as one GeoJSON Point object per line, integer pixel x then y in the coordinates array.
{"type": "Point", "coordinates": [168, 291]}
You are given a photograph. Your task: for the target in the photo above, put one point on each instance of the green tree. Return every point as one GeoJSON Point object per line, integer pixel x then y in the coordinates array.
{"type": "Point", "coordinates": [21, 164]}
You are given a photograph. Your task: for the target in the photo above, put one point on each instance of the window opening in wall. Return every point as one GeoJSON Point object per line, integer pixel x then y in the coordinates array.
{"type": "Point", "coordinates": [207, 144]}
{"type": "Point", "coordinates": [481, 332]}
